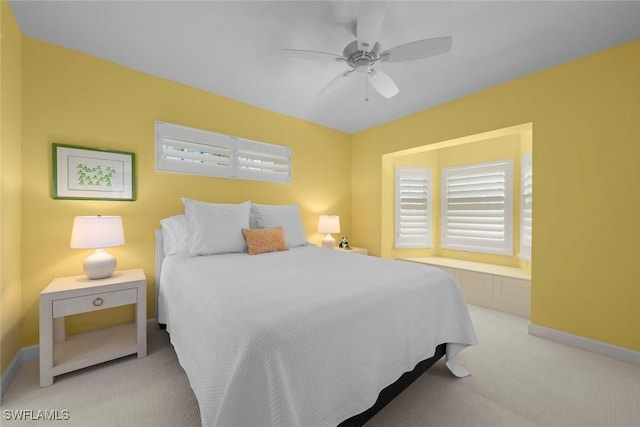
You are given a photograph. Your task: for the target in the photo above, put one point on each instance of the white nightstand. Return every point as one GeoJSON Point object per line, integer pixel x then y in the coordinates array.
{"type": "Point", "coordinates": [77, 294]}
{"type": "Point", "coordinates": [353, 250]}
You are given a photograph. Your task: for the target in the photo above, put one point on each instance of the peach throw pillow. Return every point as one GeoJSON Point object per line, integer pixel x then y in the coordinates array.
{"type": "Point", "coordinates": [261, 240]}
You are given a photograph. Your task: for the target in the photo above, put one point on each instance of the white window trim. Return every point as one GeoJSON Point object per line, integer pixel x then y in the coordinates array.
{"type": "Point", "coordinates": [502, 246]}
{"type": "Point", "coordinates": [423, 236]}
{"type": "Point", "coordinates": [526, 207]}
{"type": "Point", "coordinates": [213, 154]}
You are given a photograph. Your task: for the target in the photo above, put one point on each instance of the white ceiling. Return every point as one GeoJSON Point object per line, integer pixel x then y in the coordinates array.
{"type": "Point", "coordinates": [235, 48]}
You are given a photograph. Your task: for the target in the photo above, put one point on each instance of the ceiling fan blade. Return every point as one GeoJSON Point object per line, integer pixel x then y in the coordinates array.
{"type": "Point", "coordinates": [313, 55]}
{"type": "Point", "coordinates": [329, 87]}
{"type": "Point", "coordinates": [369, 25]}
{"type": "Point", "coordinates": [418, 49]}
{"type": "Point", "coordinates": [383, 83]}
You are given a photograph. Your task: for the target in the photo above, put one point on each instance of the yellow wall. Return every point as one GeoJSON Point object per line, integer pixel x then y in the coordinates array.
{"type": "Point", "coordinates": [77, 99]}
{"type": "Point", "coordinates": [10, 191]}
{"type": "Point", "coordinates": [585, 153]}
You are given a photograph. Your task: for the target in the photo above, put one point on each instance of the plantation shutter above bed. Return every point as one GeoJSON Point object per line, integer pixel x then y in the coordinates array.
{"type": "Point", "coordinates": [263, 162]}
{"type": "Point", "coordinates": [187, 150]}
{"type": "Point", "coordinates": [413, 208]}
{"type": "Point", "coordinates": [477, 207]}
{"type": "Point", "coordinates": [194, 151]}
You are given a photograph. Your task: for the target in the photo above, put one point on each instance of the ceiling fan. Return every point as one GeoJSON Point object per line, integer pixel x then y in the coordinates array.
{"type": "Point", "coordinates": [363, 54]}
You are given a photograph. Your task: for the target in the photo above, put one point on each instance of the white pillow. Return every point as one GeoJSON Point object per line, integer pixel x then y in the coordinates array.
{"type": "Point", "coordinates": [175, 233]}
{"type": "Point", "coordinates": [216, 228]}
{"type": "Point", "coordinates": [285, 216]}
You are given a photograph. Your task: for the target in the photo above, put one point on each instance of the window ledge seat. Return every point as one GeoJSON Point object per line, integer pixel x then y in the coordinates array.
{"type": "Point", "coordinates": [498, 287]}
{"type": "Point", "coordinates": [480, 267]}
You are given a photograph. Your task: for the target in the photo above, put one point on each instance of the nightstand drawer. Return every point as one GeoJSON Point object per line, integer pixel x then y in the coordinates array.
{"type": "Point", "coordinates": [83, 304]}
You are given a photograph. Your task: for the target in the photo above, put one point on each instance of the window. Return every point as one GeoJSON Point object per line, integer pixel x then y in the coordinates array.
{"type": "Point", "coordinates": [258, 161]}
{"type": "Point", "coordinates": [526, 206]}
{"type": "Point", "coordinates": [413, 208]}
{"type": "Point", "coordinates": [187, 150]}
{"type": "Point", "coordinates": [477, 208]}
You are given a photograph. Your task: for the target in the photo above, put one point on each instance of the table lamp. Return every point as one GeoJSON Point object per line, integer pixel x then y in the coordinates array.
{"type": "Point", "coordinates": [329, 224]}
{"type": "Point", "coordinates": [97, 232]}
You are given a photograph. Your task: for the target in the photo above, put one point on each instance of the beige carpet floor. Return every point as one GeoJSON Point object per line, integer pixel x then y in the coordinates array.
{"type": "Point", "coordinates": [517, 380]}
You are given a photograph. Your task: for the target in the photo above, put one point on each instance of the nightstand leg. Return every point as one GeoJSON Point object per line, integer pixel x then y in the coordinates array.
{"type": "Point", "coordinates": [141, 325]}
{"type": "Point", "coordinates": [46, 343]}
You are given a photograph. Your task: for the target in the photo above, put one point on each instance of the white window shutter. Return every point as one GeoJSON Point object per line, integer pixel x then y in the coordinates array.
{"type": "Point", "coordinates": [194, 151]}
{"type": "Point", "coordinates": [188, 150]}
{"type": "Point", "coordinates": [526, 206]}
{"type": "Point", "coordinates": [413, 208]}
{"type": "Point", "coordinates": [263, 162]}
{"type": "Point", "coordinates": [477, 208]}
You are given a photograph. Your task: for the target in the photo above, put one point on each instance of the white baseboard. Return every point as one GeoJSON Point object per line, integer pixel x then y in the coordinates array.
{"type": "Point", "coordinates": [598, 347]}
{"type": "Point", "coordinates": [24, 355]}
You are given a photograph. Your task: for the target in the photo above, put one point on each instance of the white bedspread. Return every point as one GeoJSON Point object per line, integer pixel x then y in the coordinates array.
{"type": "Point", "coordinates": [305, 337]}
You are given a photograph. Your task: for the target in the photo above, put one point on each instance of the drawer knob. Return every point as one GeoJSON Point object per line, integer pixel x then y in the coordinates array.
{"type": "Point", "coordinates": [98, 302]}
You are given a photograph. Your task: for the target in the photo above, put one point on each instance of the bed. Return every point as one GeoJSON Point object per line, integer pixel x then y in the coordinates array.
{"type": "Point", "coordinates": [300, 336]}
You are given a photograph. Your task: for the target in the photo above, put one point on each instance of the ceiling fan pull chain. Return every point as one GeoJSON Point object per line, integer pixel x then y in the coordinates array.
{"type": "Point", "coordinates": [366, 86]}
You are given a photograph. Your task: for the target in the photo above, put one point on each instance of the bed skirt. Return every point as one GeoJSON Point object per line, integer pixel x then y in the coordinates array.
{"type": "Point", "coordinates": [390, 392]}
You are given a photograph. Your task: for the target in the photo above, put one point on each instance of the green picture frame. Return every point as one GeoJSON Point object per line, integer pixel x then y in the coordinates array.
{"type": "Point", "coordinates": [83, 173]}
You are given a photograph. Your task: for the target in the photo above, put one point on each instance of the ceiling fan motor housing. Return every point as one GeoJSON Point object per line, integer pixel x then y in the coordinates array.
{"type": "Point", "coordinates": [360, 60]}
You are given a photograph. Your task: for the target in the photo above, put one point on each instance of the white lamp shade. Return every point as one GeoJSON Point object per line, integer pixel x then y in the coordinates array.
{"type": "Point", "coordinates": [94, 232]}
{"type": "Point", "coordinates": [329, 224]}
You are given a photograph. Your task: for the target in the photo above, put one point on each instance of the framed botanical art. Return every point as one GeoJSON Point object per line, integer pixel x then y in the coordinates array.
{"type": "Point", "coordinates": [92, 174]}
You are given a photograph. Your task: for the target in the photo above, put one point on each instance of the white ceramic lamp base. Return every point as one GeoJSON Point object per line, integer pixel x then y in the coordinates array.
{"type": "Point", "coordinates": [328, 241]}
{"type": "Point", "coordinates": [99, 265]}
